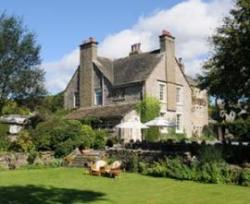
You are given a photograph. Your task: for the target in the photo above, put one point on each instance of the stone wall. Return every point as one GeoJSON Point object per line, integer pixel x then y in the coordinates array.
{"type": "Point", "coordinates": [13, 160]}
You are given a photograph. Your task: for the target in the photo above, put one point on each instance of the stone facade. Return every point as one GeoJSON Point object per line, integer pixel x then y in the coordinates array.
{"type": "Point", "coordinates": [104, 82]}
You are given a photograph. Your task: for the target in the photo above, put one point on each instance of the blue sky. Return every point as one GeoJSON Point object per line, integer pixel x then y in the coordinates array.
{"type": "Point", "coordinates": [61, 25]}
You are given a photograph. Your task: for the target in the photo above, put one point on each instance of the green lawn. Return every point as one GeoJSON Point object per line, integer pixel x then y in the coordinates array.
{"type": "Point", "coordinates": [70, 186]}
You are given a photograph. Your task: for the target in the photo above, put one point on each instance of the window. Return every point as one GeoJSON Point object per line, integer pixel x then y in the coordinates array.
{"type": "Point", "coordinates": [178, 123]}
{"type": "Point", "coordinates": [98, 97]}
{"type": "Point", "coordinates": [178, 95]}
{"type": "Point", "coordinates": [162, 92]}
{"type": "Point", "coordinates": [76, 100]}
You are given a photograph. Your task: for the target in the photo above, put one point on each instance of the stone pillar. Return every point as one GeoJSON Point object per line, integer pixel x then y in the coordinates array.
{"type": "Point", "coordinates": [88, 53]}
{"type": "Point", "coordinates": [167, 46]}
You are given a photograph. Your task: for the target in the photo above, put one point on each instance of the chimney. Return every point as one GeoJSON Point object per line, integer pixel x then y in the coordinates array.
{"type": "Point", "coordinates": [181, 64]}
{"type": "Point", "coordinates": [135, 49]}
{"type": "Point", "coordinates": [167, 46]}
{"type": "Point", "coordinates": [89, 46]}
{"type": "Point", "coordinates": [88, 53]}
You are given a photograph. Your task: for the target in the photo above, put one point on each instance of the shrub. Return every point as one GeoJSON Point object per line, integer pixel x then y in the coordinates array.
{"type": "Point", "coordinates": [62, 136]}
{"type": "Point", "coordinates": [208, 133]}
{"type": "Point", "coordinates": [176, 168]}
{"type": "Point", "coordinates": [210, 173]}
{"type": "Point", "coordinates": [100, 139]}
{"type": "Point", "coordinates": [88, 136]}
{"type": "Point", "coordinates": [152, 134]}
{"type": "Point", "coordinates": [110, 143]}
{"type": "Point", "coordinates": [210, 154]}
{"type": "Point", "coordinates": [158, 169]}
{"type": "Point", "coordinates": [240, 129]}
{"type": "Point", "coordinates": [4, 143]}
{"type": "Point", "coordinates": [24, 141]}
{"type": "Point", "coordinates": [245, 177]}
{"type": "Point", "coordinates": [32, 157]}
{"type": "Point", "coordinates": [143, 167]}
{"type": "Point", "coordinates": [149, 108]}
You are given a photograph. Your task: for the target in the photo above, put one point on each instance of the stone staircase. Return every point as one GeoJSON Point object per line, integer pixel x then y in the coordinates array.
{"type": "Point", "coordinates": [83, 160]}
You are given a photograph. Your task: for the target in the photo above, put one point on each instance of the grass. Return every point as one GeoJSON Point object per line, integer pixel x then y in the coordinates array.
{"type": "Point", "coordinates": [71, 186]}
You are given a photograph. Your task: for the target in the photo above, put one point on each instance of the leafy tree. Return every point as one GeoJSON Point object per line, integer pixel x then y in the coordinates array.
{"type": "Point", "coordinates": [20, 75]}
{"type": "Point", "coordinates": [11, 107]}
{"type": "Point", "coordinates": [227, 72]}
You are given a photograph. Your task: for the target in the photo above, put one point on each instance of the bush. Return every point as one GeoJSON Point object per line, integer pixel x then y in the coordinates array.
{"type": "Point", "coordinates": [152, 134]}
{"type": "Point", "coordinates": [62, 136]}
{"type": "Point", "coordinates": [24, 142]}
{"type": "Point", "coordinates": [100, 139]}
{"type": "Point", "coordinates": [176, 168]}
{"type": "Point", "coordinates": [4, 143]}
{"type": "Point", "coordinates": [210, 173]}
{"type": "Point", "coordinates": [158, 169]}
{"type": "Point", "coordinates": [240, 129]}
{"type": "Point", "coordinates": [245, 177]}
{"type": "Point", "coordinates": [88, 136]}
{"type": "Point", "coordinates": [149, 108]}
{"type": "Point", "coordinates": [210, 154]}
{"type": "Point", "coordinates": [208, 133]}
{"type": "Point", "coordinates": [32, 157]}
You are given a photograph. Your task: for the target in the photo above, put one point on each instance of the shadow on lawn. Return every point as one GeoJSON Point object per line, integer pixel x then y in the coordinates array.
{"type": "Point", "coordinates": [32, 194]}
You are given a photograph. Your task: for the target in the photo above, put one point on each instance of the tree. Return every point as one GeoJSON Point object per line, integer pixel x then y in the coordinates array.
{"type": "Point", "coordinates": [227, 72]}
{"type": "Point", "coordinates": [21, 78]}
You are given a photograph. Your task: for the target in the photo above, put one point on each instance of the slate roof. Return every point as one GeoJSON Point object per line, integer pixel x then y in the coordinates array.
{"type": "Point", "coordinates": [191, 81]}
{"type": "Point", "coordinates": [134, 68]}
{"type": "Point", "coordinates": [111, 111]}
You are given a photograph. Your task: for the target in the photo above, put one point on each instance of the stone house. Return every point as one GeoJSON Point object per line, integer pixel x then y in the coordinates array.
{"type": "Point", "coordinates": [109, 89]}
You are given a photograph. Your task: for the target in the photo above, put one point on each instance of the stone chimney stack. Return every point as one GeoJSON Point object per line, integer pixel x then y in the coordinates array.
{"type": "Point", "coordinates": [167, 46]}
{"type": "Point", "coordinates": [181, 64]}
{"type": "Point", "coordinates": [88, 53]}
{"type": "Point", "coordinates": [135, 49]}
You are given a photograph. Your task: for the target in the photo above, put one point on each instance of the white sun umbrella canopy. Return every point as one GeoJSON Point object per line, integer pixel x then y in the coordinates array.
{"type": "Point", "coordinates": [160, 122]}
{"type": "Point", "coordinates": [132, 124]}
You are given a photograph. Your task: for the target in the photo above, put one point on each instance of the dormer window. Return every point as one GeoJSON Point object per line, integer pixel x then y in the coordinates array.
{"type": "Point", "coordinates": [98, 97]}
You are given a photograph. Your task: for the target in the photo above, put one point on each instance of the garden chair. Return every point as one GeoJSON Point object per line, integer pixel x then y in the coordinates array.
{"type": "Point", "coordinates": [95, 169]}
{"type": "Point", "coordinates": [114, 169]}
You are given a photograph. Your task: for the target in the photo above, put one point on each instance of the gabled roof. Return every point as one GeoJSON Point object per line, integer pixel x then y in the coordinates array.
{"type": "Point", "coordinates": [134, 68]}
{"type": "Point", "coordinates": [111, 111]}
{"type": "Point", "coordinates": [191, 81]}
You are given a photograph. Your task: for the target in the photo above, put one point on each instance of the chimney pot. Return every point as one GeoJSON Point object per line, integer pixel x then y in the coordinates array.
{"type": "Point", "coordinates": [135, 49]}
{"type": "Point", "coordinates": [166, 33]}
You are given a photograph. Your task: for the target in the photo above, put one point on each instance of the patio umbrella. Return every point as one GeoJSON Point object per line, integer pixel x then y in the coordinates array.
{"type": "Point", "coordinates": [132, 124]}
{"type": "Point", "coordinates": [160, 122]}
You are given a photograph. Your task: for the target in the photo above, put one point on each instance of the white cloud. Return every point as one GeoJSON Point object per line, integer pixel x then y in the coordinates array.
{"type": "Point", "coordinates": [191, 22]}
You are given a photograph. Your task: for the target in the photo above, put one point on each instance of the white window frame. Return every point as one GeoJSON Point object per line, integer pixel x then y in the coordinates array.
{"type": "Point", "coordinates": [179, 123]}
{"type": "Point", "coordinates": [162, 92]}
{"type": "Point", "coordinates": [179, 95]}
{"type": "Point", "coordinates": [98, 91]}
